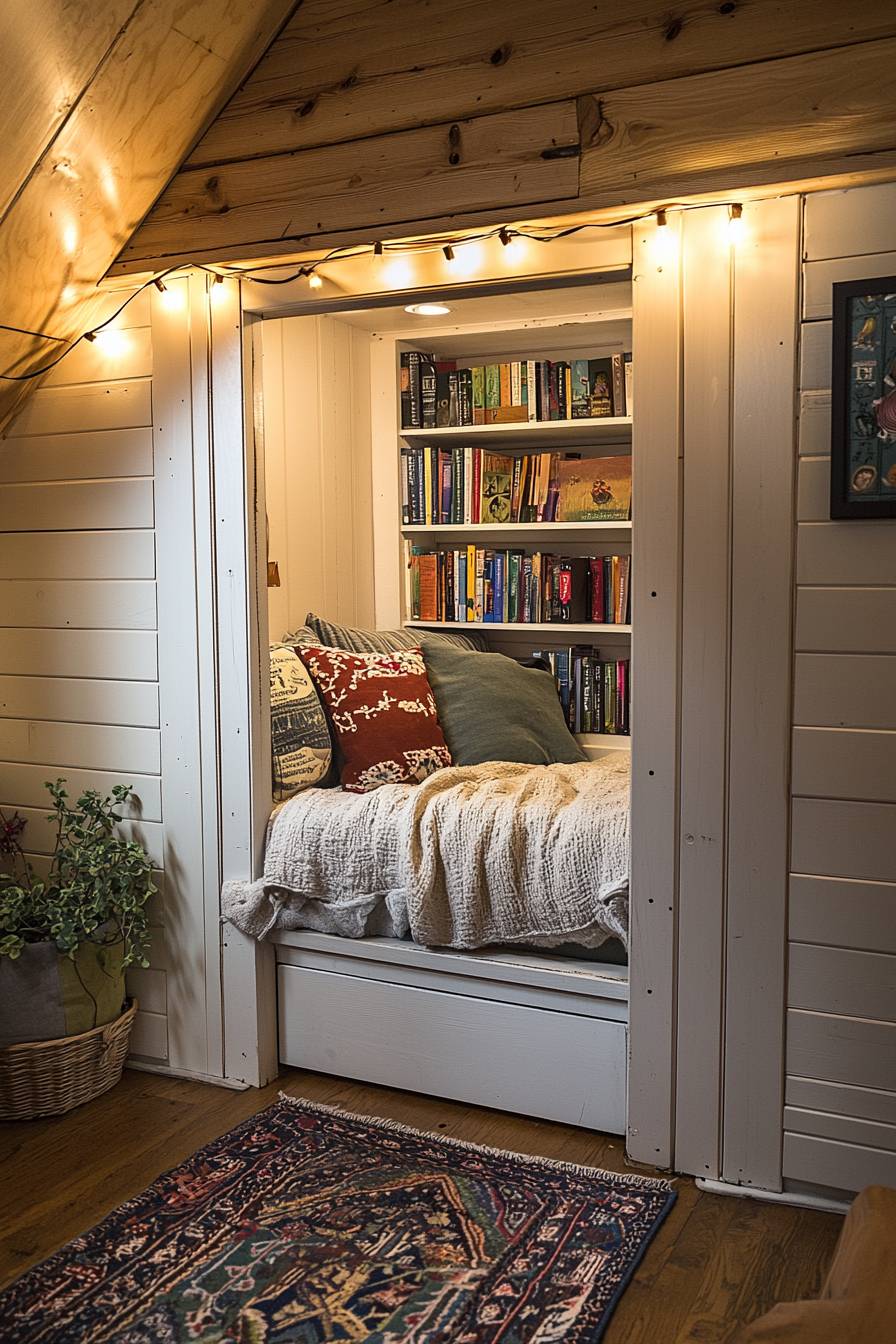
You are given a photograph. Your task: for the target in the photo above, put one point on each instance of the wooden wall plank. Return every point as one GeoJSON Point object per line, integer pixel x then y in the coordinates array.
{"type": "Point", "coordinates": [168, 69]}
{"type": "Point", "coordinates": [834, 912]}
{"type": "Point", "coordinates": [846, 620]}
{"type": "Point", "coordinates": [78, 555]}
{"type": "Point", "coordinates": [814, 490]}
{"type": "Point", "coordinates": [406, 176]}
{"type": "Point", "coordinates": [764, 420]}
{"type": "Point", "coordinates": [133, 704]}
{"type": "Point", "coordinates": [841, 1049]}
{"type": "Point", "coordinates": [815, 423]}
{"type": "Point", "coordinates": [40, 838]}
{"type": "Point", "coordinates": [834, 227]}
{"type": "Point", "coordinates": [854, 763]}
{"type": "Point", "coordinates": [841, 1166]}
{"type": "Point", "coordinates": [339, 71]}
{"type": "Point", "coordinates": [860, 552]}
{"type": "Point", "coordinates": [815, 356]}
{"type": "Point", "coordinates": [87, 746]}
{"type": "Point", "coordinates": [843, 1128]}
{"type": "Point", "coordinates": [105, 359]}
{"type": "Point", "coordinates": [844, 839]}
{"type": "Point", "coordinates": [131, 654]}
{"type": "Point", "coordinates": [80, 506]}
{"type": "Point", "coordinates": [819, 276]}
{"type": "Point", "coordinates": [840, 1099]}
{"type": "Point", "coordinates": [23, 786]}
{"type": "Point", "coordinates": [842, 980]}
{"type": "Point", "coordinates": [673, 137]}
{"type": "Point", "coordinates": [60, 410]}
{"type": "Point", "coordinates": [54, 48]}
{"type": "Point", "coordinates": [92, 455]}
{"type": "Point", "coordinates": [841, 690]}
{"type": "Point", "coordinates": [109, 605]}
{"type": "Point", "coordinates": [705, 635]}
{"type": "Point", "coordinates": [656, 674]}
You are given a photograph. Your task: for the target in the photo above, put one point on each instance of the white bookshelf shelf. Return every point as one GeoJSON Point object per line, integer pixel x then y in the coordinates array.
{"type": "Point", "coordinates": [524, 627]}
{"type": "Point", "coordinates": [602, 429]}
{"type": "Point", "coordinates": [509, 530]}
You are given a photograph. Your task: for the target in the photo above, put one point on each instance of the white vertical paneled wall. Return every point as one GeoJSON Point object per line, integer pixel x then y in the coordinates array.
{"type": "Point", "coordinates": [840, 1115]}
{"type": "Point", "coordinates": [79, 672]}
{"type": "Point", "coordinates": [111, 661]}
{"type": "Point", "coordinates": [316, 390]}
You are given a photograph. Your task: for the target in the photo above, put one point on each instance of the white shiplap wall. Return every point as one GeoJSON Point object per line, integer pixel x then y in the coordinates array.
{"type": "Point", "coordinates": [79, 692]}
{"type": "Point", "coordinates": [840, 1114]}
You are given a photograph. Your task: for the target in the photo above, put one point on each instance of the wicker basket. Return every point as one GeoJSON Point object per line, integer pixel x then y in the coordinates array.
{"type": "Point", "coordinates": [51, 1077]}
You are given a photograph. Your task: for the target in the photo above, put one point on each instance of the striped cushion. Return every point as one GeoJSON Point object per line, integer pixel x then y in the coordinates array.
{"type": "Point", "coordinates": [380, 641]}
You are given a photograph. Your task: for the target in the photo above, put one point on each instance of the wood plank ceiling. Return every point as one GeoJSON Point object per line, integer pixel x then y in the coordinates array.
{"type": "Point", "coordinates": [373, 120]}
{"type": "Point", "coordinates": [99, 105]}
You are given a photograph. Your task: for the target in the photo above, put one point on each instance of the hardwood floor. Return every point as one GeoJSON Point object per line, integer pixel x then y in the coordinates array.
{"type": "Point", "coordinates": [716, 1261]}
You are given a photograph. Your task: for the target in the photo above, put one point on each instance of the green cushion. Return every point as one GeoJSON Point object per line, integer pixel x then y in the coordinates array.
{"type": "Point", "coordinates": [492, 709]}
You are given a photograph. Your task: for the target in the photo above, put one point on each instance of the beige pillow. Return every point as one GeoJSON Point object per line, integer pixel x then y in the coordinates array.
{"type": "Point", "coordinates": [300, 738]}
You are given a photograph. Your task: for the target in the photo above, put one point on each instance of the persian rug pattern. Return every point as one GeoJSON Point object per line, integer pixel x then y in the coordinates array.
{"type": "Point", "coordinates": [306, 1224]}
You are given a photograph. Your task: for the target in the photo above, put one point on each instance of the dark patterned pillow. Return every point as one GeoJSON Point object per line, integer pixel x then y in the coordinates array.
{"type": "Point", "coordinates": [383, 641]}
{"type": "Point", "coordinates": [300, 738]}
{"type": "Point", "coordinates": [383, 714]}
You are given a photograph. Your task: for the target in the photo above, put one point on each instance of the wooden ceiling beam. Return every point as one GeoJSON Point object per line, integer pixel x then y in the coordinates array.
{"type": "Point", "coordinates": [165, 74]}
{"type": "Point", "coordinates": [350, 69]}
{"type": "Point", "coordinates": [805, 116]}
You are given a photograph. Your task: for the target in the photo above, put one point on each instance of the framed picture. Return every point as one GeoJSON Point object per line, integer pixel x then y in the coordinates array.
{"type": "Point", "coordinates": [863, 399]}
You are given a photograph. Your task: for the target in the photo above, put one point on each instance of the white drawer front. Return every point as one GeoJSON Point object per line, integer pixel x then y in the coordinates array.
{"type": "Point", "coordinates": [557, 1066]}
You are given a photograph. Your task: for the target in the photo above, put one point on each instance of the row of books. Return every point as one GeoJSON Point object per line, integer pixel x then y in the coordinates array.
{"type": "Point", "coordinates": [594, 692]}
{"type": "Point", "coordinates": [444, 486]}
{"type": "Point", "coordinates": [436, 394]}
{"type": "Point", "coordinates": [511, 587]}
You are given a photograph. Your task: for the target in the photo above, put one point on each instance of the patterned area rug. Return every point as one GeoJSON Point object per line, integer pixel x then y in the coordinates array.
{"type": "Point", "coordinates": [307, 1224]}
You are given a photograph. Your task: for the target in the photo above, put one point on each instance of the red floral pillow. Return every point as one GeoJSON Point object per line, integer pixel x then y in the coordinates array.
{"type": "Point", "coordinates": [383, 712]}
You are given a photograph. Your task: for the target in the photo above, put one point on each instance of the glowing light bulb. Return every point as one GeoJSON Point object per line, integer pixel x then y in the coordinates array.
{"type": "Point", "coordinates": [468, 259]}
{"type": "Point", "coordinates": [427, 309]}
{"type": "Point", "coordinates": [314, 281]}
{"type": "Point", "coordinates": [111, 342]}
{"type": "Point", "coordinates": [736, 223]}
{"type": "Point", "coordinates": [398, 273]}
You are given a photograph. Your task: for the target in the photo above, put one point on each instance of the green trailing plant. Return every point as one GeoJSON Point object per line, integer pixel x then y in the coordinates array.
{"type": "Point", "coordinates": [97, 887]}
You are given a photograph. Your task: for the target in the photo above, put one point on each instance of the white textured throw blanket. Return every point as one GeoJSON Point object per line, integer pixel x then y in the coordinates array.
{"type": "Point", "coordinates": [495, 853]}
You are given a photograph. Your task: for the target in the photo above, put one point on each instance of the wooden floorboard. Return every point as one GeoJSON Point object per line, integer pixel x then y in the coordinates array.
{"type": "Point", "coordinates": [715, 1262]}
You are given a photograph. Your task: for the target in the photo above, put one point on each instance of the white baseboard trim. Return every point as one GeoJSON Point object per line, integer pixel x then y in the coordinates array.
{"type": "Point", "coordinates": [794, 1199]}
{"type": "Point", "coordinates": [234, 1084]}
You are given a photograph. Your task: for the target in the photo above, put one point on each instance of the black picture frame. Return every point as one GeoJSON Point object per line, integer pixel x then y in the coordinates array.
{"type": "Point", "coordinates": [863, 399]}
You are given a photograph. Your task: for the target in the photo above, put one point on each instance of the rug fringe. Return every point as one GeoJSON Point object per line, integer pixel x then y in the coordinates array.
{"type": "Point", "coordinates": [568, 1168]}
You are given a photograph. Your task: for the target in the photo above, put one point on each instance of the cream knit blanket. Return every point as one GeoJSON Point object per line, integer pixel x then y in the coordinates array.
{"type": "Point", "coordinates": [494, 853]}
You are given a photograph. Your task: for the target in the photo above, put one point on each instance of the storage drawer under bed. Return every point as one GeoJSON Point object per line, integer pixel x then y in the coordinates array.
{"type": "Point", "coordinates": [563, 1063]}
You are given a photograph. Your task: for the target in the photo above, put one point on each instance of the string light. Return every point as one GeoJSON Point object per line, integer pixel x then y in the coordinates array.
{"type": "Point", "coordinates": [398, 275]}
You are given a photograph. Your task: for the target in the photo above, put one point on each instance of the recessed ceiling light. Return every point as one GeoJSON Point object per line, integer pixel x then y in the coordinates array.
{"type": "Point", "coordinates": [427, 309]}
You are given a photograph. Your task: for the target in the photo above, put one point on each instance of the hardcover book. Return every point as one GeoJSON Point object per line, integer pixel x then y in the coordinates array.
{"type": "Point", "coordinates": [600, 378]}
{"type": "Point", "coordinates": [595, 490]}
{"type": "Point", "coordinates": [478, 377]}
{"type": "Point", "coordinates": [497, 488]}
{"type": "Point", "coordinates": [581, 390]}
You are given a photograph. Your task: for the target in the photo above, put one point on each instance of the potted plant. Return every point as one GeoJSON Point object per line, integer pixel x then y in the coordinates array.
{"type": "Point", "coordinates": [65, 943]}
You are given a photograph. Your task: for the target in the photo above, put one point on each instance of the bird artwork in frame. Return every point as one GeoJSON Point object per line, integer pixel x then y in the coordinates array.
{"type": "Point", "coordinates": [863, 399]}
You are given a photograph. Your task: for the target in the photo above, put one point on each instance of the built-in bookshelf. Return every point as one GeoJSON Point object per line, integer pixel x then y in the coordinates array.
{"type": "Point", "coordinates": [594, 644]}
